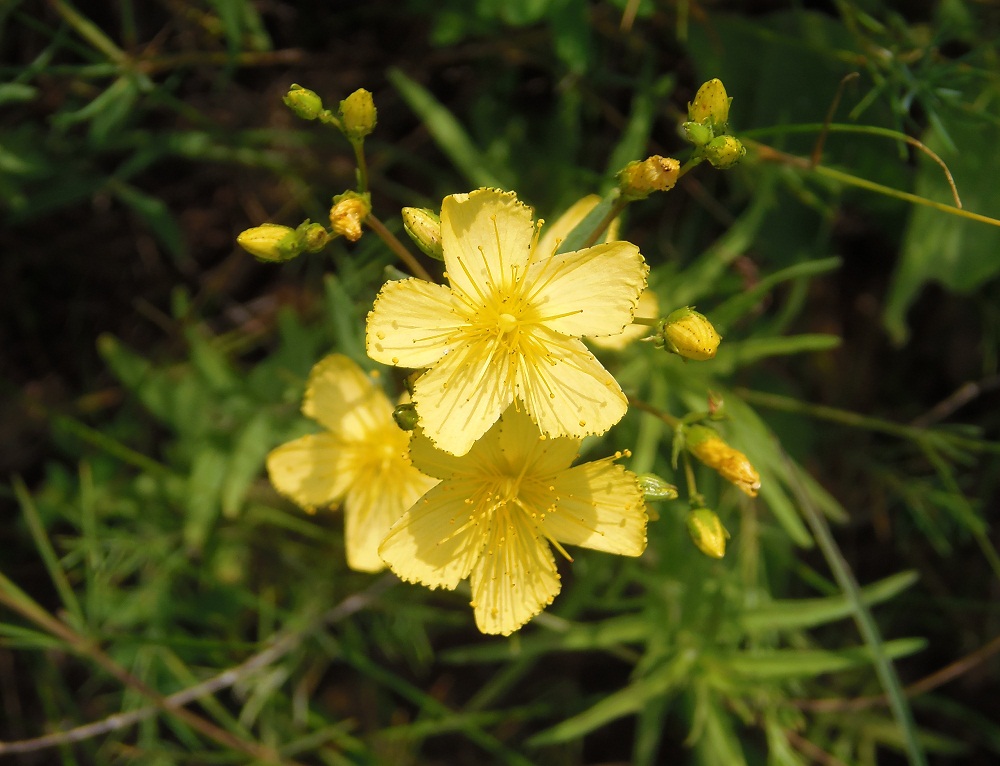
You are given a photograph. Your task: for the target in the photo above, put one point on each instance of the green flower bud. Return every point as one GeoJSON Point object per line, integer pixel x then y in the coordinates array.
{"type": "Point", "coordinates": [424, 228]}
{"type": "Point", "coordinates": [271, 242]}
{"type": "Point", "coordinates": [640, 179]}
{"type": "Point", "coordinates": [689, 334]}
{"type": "Point", "coordinates": [405, 416]}
{"type": "Point", "coordinates": [313, 236]}
{"type": "Point", "coordinates": [710, 105]}
{"type": "Point", "coordinates": [724, 152]}
{"type": "Point", "coordinates": [303, 102]}
{"type": "Point", "coordinates": [358, 115]}
{"type": "Point", "coordinates": [707, 532]}
{"type": "Point", "coordinates": [654, 488]}
{"type": "Point", "coordinates": [696, 133]}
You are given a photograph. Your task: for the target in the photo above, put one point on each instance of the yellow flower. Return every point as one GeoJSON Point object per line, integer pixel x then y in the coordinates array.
{"type": "Point", "coordinates": [508, 327]}
{"type": "Point", "coordinates": [496, 510]}
{"type": "Point", "coordinates": [361, 460]}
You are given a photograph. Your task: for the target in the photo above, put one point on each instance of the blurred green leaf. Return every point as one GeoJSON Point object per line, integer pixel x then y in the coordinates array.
{"type": "Point", "coordinates": [958, 253]}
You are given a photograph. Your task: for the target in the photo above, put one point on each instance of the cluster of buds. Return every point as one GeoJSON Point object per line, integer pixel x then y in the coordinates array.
{"type": "Point", "coordinates": [640, 179]}
{"type": "Point", "coordinates": [275, 243]}
{"type": "Point", "coordinates": [356, 117]}
{"type": "Point", "coordinates": [688, 334]}
{"type": "Point", "coordinates": [731, 464]}
{"type": "Point", "coordinates": [708, 127]}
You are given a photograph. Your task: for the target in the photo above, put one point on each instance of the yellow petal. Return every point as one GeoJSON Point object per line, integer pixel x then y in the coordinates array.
{"type": "Point", "coordinates": [566, 390]}
{"type": "Point", "coordinates": [413, 323]}
{"type": "Point", "coordinates": [373, 506]}
{"type": "Point", "coordinates": [314, 470]}
{"type": "Point", "coordinates": [486, 236]}
{"type": "Point", "coordinates": [515, 577]}
{"type": "Point", "coordinates": [523, 450]}
{"type": "Point", "coordinates": [342, 397]}
{"type": "Point", "coordinates": [599, 506]}
{"type": "Point", "coordinates": [463, 395]}
{"type": "Point", "coordinates": [588, 292]}
{"type": "Point", "coordinates": [438, 540]}
{"type": "Point", "coordinates": [648, 307]}
{"type": "Point", "coordinates": [554, 233]}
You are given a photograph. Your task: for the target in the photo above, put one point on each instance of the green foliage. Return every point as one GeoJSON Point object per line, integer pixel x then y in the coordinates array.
{"type": "Point", "coordinates": [153, 581]}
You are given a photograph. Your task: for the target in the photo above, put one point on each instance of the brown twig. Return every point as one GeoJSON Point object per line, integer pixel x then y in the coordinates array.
{"type": "Point", "coordinates": [398, 248]}
{"type": "Point", "coordinates": [947, 673]}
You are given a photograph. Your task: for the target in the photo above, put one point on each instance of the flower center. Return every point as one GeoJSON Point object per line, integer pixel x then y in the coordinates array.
{"type": "Point", "coordinates": [507, 322]}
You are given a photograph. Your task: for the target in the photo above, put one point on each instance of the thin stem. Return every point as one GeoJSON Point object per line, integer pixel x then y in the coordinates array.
{"type": "Point", "coordinates": [767, 153]}
{"type": "Point", "coordinates": [666, 417]}
{"type": "Point", "coordinates": [848, 585]}
{"type": "Point", "coordinates": [359, 156]}
{"type": "Point", "coordinates": [398, 248]}
{"type": "Point", "coordinates": [855, 420]}
{"type": "Point", "coordinates": [646, 321]}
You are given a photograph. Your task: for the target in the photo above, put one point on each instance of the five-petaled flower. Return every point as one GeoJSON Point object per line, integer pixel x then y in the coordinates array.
{"type": "Point", "coordinates": [507, 328]}
{"type": "Point", "coordinates": [361, 459]}
{"type": "Point", "coordinates": [499, 507]}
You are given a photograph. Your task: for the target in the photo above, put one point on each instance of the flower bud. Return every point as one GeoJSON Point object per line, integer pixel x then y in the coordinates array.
{"type": "Point", "coordinates": [313, 236]}
{"type": "Point", "coordinates": [405, 416]}
{"type": "Point", "coordinates": [348, 212]}
{"type": "Point", "coordinates": [640, 179]}
{"type": "Point", "coordinates": [304, 102]}
{"type": "Point", "coordinates": [424, 228]}
{"type": "Point", "coordinates": [270, 242]}
{"type": "Point", "coordinates": [731, 464]}
{"type": "Point", "coordinates": [696, 133]}
{"type": "Point", "coordinates": [689, 334]}
{"type": "Point", "coordinates": [710, 105]}
{"type": "Point", "coordinates": [358, 115]}
{"type": "Point", "coordinates": [724, 152]}
{"type": "Point", "coordinates": [707, 532]}
{"type": "Point", "coordinates": [655, 488]}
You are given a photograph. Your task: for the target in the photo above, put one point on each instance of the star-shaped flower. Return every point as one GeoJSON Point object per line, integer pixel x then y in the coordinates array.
{"type": "Point", "coordinates": [361, 460]}
{"type": "Point", "coordinates": [498, 509]}
{"type": "Point", "coordinates": [507, 328]}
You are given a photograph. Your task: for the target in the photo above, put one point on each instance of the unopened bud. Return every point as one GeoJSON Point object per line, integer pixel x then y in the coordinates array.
{"type": "Point", "coordinates": [271, 242]}
{"type": "Point", "coordinates": [640, 179]}
{"type": "Point", "coordinates": [710, 105]}
{"type": "Point", "coordinates": [724, 152]}
{"type": "Point", "coordinates": [358, 115]}
{"type": "Point", "coordinates": [424, 228]}
{"type": "Point", "coordinates": [707, 532]}
{"type": "Point", "coordinates": [696, 133]}
{"type": "Point", "coordinates": [304, 102]}
{"type": "Point", "coordinates": [405, 416]}
{"type": "Point", "coordinates": [655, 488]}
{"type": "Point", "coordinates": [348, 212]}
{"type": "Point", "coordinates": [689, 334]}
{"type": "Point", "coordinates": [731, 464]}
{"type": "Point", "coordinates": [313, 236]}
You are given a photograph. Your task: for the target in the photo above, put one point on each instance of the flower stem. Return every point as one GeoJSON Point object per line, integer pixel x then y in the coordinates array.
{"type": "Point", "coordinates": [616, 210]}
{"type": "Point", "coordinates": [398, 248]}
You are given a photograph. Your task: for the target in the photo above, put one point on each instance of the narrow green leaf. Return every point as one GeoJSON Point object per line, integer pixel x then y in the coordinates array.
{"type": "Point", "coordinates": [793, 663]}
{"type": "Point", "coordinates": [449, 134]}
{"type": "Point", "coordinates": [203, 502]}
{"type": "Point", "coordinates": [735, 354]}
{"type": "Point", "coordinates": [155, 213]}
{"type": "Point", "coordinates": [251, 446]}
{"type": "Point", "coordinates": [791, 614]}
